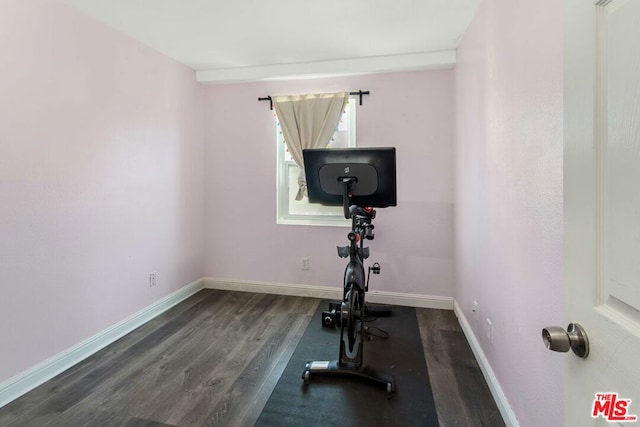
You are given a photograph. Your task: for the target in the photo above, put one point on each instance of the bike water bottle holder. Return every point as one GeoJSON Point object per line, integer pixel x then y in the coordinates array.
{"type": "Point", "coordinates": [344, 251]}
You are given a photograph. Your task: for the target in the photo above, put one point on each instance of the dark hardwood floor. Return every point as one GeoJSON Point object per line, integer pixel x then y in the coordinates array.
{"type": "Point", "coordinates": [214, 359]}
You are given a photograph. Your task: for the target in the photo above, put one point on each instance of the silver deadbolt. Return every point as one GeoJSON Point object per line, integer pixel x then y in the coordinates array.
{"type": "Point", "coordinates": [575, 338]}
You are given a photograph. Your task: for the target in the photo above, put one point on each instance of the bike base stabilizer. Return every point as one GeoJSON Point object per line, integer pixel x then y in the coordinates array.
{"type": "Point", "coordinates": [335, 368]}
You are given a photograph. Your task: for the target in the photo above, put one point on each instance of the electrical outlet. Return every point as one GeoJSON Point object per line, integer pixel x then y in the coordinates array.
{"type": "Point", "coordinates": [489, 330]}
{"type": "Point", "coordinates": [152, 279]}
{"type": "Point", "coordinates": [305, 263]}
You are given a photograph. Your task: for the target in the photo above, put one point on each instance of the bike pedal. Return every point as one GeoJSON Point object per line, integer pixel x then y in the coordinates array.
{"type": "Point", "coordinates": [375, 268]}
{"type": "Point", "coordinates": [329, 319]}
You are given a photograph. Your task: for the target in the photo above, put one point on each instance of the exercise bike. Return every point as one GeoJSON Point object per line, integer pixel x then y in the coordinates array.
{"type": "Point", "coordinates": [357, 174]}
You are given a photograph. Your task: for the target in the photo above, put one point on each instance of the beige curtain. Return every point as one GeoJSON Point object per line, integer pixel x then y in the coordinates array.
{"type": "Point", "coordinates": [308, 121]}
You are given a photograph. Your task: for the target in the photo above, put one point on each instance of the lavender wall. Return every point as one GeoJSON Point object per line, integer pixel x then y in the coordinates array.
{"type": "Point", "coordinates": [508, 169]}
{"type": "Point", "coordinates": [101, 179]}
{"type": "Point", "coordinates": [414, 241]}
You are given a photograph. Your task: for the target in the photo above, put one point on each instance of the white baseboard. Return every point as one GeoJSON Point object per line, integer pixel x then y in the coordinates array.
{"type": "Point", "coordinates": [411, 300]}
{"type": "Point", "coordinates": [26, 381]}
{"type": "Point", "coordinates": [507, 413]}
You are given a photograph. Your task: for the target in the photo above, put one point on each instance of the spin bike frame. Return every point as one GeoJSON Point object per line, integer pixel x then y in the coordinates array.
{"type": "Point", "coordinates": [352, 307]}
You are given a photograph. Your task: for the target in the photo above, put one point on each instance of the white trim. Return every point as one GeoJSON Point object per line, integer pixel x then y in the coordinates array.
{"type": "Point", "coordinates": [411, 300]}
{"type": "Point", "coordinates": [507, 413]}
{"type": "Point", "coordinates": [356, 66]}
{"type": "Point", "coordinates": [326, 292]}
{"type": "Point", "coordinates": [26, 381]}
{"type": "Point", "coordinates": [273, 288]}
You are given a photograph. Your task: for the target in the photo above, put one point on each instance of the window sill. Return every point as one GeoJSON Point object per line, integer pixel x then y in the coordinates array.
{"type": "Point", "coordinates": [315, 221]}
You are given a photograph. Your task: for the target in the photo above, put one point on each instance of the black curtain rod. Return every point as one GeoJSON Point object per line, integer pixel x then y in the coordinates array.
{"type": "Point", "coordinates": [360, 94]}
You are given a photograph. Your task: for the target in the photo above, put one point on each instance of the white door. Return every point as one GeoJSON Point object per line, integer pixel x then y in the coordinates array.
{"type": "Point", "coordinates": [602, 208]}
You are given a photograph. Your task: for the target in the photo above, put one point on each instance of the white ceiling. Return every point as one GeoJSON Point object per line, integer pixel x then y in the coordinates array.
{"type": "Point", "coordinates": [266, 39]}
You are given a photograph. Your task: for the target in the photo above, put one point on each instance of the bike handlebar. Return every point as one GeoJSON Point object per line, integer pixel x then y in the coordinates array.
{"type": "Point", "coordinates": [358, 211]}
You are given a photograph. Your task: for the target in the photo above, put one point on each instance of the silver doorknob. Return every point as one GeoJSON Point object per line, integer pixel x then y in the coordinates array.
{"type": "Point", "coordinates": [575, 338]}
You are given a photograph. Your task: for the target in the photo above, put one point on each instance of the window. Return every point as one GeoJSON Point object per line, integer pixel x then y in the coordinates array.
{"type": "Point", "coordinates": [301, 212]}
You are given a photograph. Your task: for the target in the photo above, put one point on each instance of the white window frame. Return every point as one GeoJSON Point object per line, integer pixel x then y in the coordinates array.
{"type": "Point", "coordinates": [286, 188]}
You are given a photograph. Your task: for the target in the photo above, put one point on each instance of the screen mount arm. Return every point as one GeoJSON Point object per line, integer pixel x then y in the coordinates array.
{"type": "Point", "coordinates": [347, 183]}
